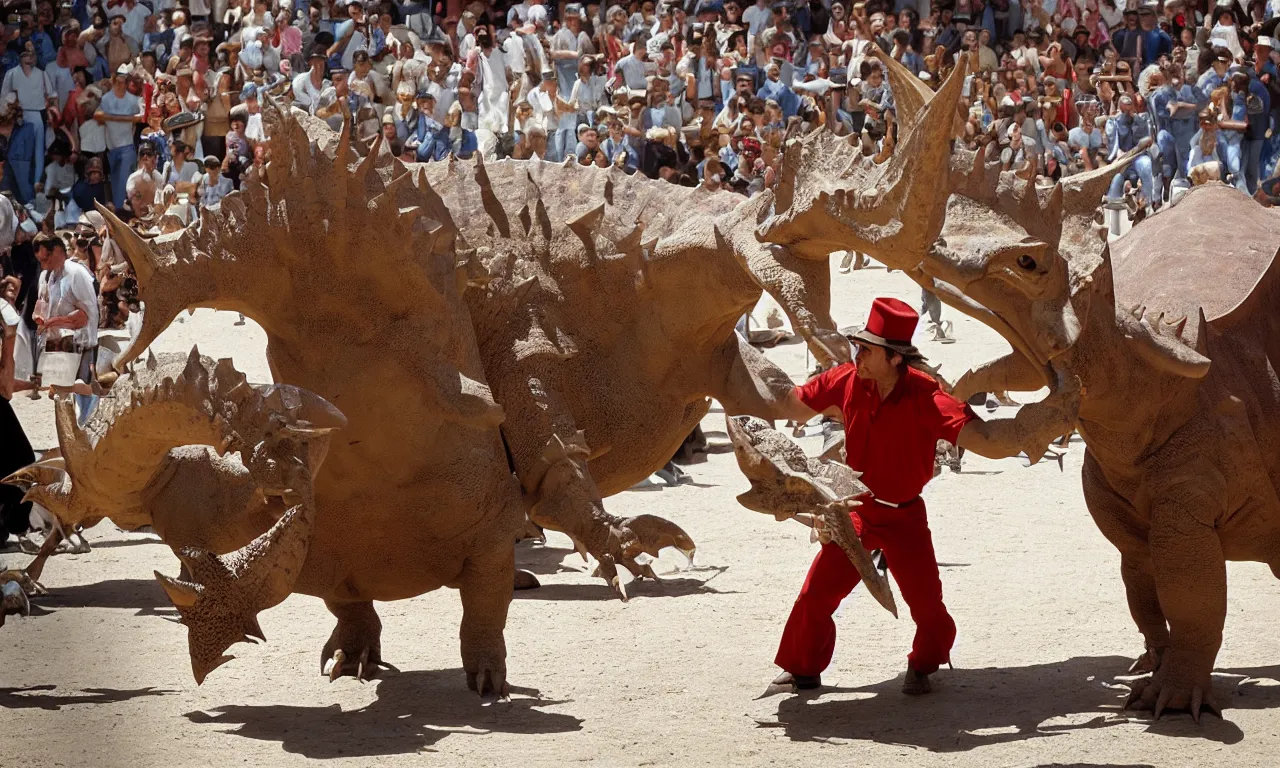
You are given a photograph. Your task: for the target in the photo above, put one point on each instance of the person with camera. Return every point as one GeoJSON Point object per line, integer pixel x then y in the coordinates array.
{"type": "Point", "coordinates": [66, 312]}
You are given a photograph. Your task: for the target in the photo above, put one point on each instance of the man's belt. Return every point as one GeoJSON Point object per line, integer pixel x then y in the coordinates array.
{"type": "Point", "coordinates": [895, 504]}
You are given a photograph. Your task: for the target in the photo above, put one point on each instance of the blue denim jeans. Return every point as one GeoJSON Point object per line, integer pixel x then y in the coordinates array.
{"type": "Point", "coordinates": [123, 161]}
{"type": "Point", "coordinates": [1141, 169]}
{"type": "Point", "coordinates": [21, 161]}
{"type": "Point", "coordinates": [1232, 149]}
{"type": "Point", "coordinates": [1175, 151]}
{"type": "Point", "coordinates": [561, 144]}
{"type": "Point", "coordinates": [1252, 163]}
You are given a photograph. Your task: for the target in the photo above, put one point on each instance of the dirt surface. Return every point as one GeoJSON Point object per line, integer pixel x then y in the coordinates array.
{"type": "Point", "coordinates": [101, 677]}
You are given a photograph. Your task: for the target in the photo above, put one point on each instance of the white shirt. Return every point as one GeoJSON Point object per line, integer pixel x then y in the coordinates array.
{"type": "Point", "coordinates": [135, 20]}
{"type": "Point", "coordinates": [66, 291]}
{"type": "Point", "coordinates": [32, 89]}
{"type": "Point", "coordinates": [141, 177]}
{"type": "Point", "coordinates": [93, 136]}
{"type": "Point", "coordinates": [305, 95]}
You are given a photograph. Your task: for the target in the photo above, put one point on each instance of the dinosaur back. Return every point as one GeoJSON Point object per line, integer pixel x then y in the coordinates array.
{"type": "Point", "coordinates": [1215, 250]}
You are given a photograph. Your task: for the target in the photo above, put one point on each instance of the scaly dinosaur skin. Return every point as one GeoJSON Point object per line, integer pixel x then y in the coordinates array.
{"type": "Point", "coordinates": [184, 445]}
{"type": "Point", "coordinates": [354, 278]}
{"type": "Point", "coordinates": [605, 329]}
{"type": "Point", "coordinates": [1181, 466]}
{"type": "Point", "coordinates": [1179, 413]}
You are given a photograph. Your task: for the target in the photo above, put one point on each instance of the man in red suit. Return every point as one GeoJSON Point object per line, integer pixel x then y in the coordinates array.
{"type": "Point", "coordinates": [893, 417]}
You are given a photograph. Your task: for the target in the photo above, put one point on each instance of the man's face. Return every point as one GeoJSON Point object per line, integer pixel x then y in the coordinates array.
{"type": "Point", "coordinates": [148, 161]}
{"type": "Point", "coordinates": [745, 86]}
{"type": "Point", "coordinates": [1131, 21]}
{"type": "Point", "coordinates": [117, 25]}
{"type": "Point", "coordinates": [590, 139]}
{"type": "Point", "coordinates": [46, 14]}
{"type": "Point", "coordinates": [426, 106]}
{"type": "Point", "coordinates": [574, 22]}
{"type": "Point", "coordinates": [873, 362]}
{"type": "Point", "coordinates": [1147, 20]}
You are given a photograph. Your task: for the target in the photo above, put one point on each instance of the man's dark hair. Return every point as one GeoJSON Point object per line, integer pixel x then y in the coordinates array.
{"type": "Point", "coordinates": [212, 162]}
{"type": "Point", "coordinates": [45, 240]}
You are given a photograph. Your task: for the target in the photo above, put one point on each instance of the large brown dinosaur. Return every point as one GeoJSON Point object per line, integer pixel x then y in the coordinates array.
{"type": "Point", "coordinates": [617, 344]}
{"type": "Point", "coordinates": [356, 282]}
{"type": "Point", "coordinates": [187, 447]}
{"type": "Point", "coordinates": [603, 332]}
{"type": "Point", "coordinates": [141, 458]}
{"type": "Point", "coordinates": [1179, 473]}
{"type": "Point", "coordinates": [1178, 407]}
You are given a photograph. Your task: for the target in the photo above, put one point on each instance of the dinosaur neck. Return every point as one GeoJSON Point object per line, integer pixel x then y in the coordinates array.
{"type": "Point", "coordinates": [1129, 407]}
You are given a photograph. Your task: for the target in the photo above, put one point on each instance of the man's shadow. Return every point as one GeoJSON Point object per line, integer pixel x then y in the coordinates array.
{"type": "Point", "coordinates": [972, 708]}
{"type": "Point", "coordinates": [412, 712]}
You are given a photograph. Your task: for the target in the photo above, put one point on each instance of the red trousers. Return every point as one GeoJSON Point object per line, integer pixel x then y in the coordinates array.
{"type": "Point", "coordinates": [903, 535]}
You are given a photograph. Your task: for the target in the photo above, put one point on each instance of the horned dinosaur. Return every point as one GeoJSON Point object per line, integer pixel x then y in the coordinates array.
{"type": "Point", "coordinates": [604, 332]}
{"type": "Point", "coordinates": [1177, 404]}
{"type": "Point", "coordinates": [135, 460]}
{"type": "Point", "coordinates": [186, 446]}
{"type": "Point", "coordinates": [354, 267]}
{"type": "Point", "coordinates": [1176, 474]}
{"type": "Point", "coordinates": [354, 277]}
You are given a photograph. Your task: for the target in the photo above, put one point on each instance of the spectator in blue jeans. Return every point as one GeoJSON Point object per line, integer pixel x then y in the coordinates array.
{"type": "Point", "coordinates": [120, 111]}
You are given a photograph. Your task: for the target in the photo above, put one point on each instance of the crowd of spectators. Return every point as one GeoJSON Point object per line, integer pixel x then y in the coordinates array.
{"type": "Point", "coordinates": [153, 106]}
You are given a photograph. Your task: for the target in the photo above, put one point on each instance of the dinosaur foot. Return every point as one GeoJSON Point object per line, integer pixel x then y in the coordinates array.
{"type": "Point", "coordinates": [490, 680]}
{"type": "Point", "coordinates": [634, 542]}
{"type": "Point", "coordinates": [30, 586]}
{"type": "Point", "coordinates": [1156, 695]}
{"type": "Point", "coordinates": [355, 646]}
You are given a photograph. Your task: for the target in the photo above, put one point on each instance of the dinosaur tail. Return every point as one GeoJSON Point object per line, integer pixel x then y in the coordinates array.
{"type": "Point", "coordinates": [221, 602]}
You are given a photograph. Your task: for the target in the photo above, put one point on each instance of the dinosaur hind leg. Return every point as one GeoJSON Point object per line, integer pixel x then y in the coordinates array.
{"type": "Point", "coordinates": [1117, 519]}
{"type": "Point", "coordinates": [355, 646]}
{"type": "Point", "coordinates": [485, 587]}
{"type": "Point", "coordinates": [1191, 581]}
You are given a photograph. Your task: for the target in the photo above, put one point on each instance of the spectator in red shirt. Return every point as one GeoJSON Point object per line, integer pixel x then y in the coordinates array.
{"type": "Point", "coordinates": [894, 414]}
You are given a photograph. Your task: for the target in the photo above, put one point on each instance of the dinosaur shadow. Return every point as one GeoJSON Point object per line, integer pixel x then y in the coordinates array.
{"type": "Point", "coordinates": [113, 543]}
{"type": "Point", "coordinates": [972, 708]}
{"type": "Point", "coordinates": [678, 586]}
{"type": "Point", "coordinates": [543, 559]}
{"type": "Point", "coordinates": [145, 595]}
{"type": "Point", "coordinates": [36, 697]}
{"type": "Point", "coordinates": [412, 712]}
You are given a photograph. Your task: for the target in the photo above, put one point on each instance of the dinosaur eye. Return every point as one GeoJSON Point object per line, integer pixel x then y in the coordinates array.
{"type": "Point", "coordinates": [1026, 262]}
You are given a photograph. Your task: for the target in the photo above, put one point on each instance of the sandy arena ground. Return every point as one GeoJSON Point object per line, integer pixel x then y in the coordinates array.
{"type": "Point", "coordinates": [101, 678]}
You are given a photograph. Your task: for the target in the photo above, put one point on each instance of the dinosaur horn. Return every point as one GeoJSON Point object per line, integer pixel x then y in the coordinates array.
{"type": "Point", "coordinates": [829, 197]}
{"type": "Point", "coordinates": [40, 473]}
{"type": "Point", "coordinates": [175, 274]}
{"type": "Point", "coordinates": [219, 606]}
{"type": "Point", "coordinates": [910, 214]}
{"type": "Point", "coordinates": [910, 94]}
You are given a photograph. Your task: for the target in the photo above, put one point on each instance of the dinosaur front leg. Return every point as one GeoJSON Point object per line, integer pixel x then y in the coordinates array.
{"type": "Point", "coordinates": [1191, 582]}
{"type": "Point", "coordinates": [355, 646]}
{"type": "Point", "coordinates": [567, 501]}
{"type": "Point", "coordinates": [747, 383]}
{"type": "Point", "coordinates": [485, 588]}
{"type": "Point", "coordinates": [551, 457]}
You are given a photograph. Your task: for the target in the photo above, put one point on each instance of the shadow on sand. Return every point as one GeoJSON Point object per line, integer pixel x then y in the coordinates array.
{"type": "Point", "coordinates": [41, 697]}
{"type": "Point", "coordinates": [669, 586]}
{"type": "Point", "coordinates": [972, 708]}
{"type": "Point", "coordinates": [145, 595]}
{"type": "Point", "coordinates": [412, 712]}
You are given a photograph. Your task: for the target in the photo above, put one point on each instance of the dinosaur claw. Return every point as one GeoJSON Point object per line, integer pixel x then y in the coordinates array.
{"type": "Point", "coordinates": [333, 667]}
{"type": "Point", "coordinates": [1197, 699]}
{"type": "Point", "coordinates": [1166, 695]}
{"type": "Point", "coordinates": [361, 664]}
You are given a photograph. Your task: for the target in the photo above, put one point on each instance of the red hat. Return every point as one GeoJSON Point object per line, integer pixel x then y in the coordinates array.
{"type": "Point", "coordinates": [891, 325]}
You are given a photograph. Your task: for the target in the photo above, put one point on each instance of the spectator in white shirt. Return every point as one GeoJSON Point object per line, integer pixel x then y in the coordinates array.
{"type": "Point", "coordinates": [35, 94]}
